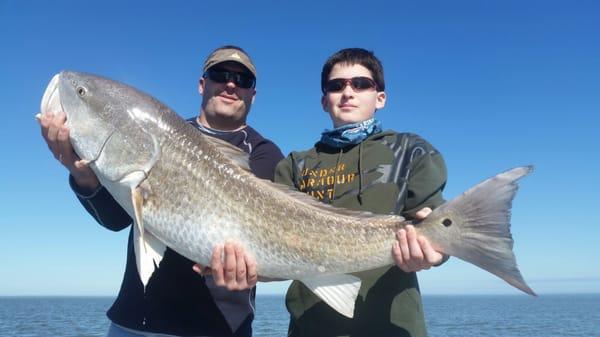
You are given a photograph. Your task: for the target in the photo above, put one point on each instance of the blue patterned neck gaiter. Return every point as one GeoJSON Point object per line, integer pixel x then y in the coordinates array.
{"type": "Point", "coordinates": [350, 134]}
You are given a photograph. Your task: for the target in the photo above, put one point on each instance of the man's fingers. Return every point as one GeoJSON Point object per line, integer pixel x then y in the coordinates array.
{"type": "Point", "coordinates": [230, 267]}
{"type": "Point", "coordinates": [252, 274]}
{"type": "Point", "coordinates": [60, 118]}
{"type": "Point", "coordinates": [56, 135]}
{"type": "Point", "coordinates": [217, 266]}
{"type": "Point", "coordinates": [63, 136]}
{"type": "Point", "coordinates": [64, 147]}
{"type": "Point", "coordinates": [56, 123]}
{"type": "Point", "coordinates": [51, 132]}
{"type": "Point", "coordinates": [44, 121]}
{"type": "Point", "coordinates": [81, 164]}
{"type": "Point", "coordinates": [240, 274]}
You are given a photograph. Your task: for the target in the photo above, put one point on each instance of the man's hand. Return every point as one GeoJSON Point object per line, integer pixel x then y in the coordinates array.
{"type": "Point", "coordinates": [237, 269]}
{"type": "Point", "coordinates": [413, 252]}
{"type": "Point", "coordinates": [56, 135]}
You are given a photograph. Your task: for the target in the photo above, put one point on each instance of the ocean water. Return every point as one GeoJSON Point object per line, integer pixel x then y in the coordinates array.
{"type": "Point", "coordinates": [523, 316]}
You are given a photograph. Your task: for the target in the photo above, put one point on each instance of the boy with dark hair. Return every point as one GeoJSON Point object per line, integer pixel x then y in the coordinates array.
{"type": "Point", "coordinates": [368, 169]}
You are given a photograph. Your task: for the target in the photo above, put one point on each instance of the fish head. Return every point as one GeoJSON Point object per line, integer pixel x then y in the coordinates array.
{"type": "Point", "coordinates": [110, 124]}
{"type": "Point", "coordinates": [90, 116]}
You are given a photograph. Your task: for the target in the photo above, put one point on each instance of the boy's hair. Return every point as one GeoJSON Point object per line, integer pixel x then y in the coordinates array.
{"type": "Point", "coordinates": [352, 56]}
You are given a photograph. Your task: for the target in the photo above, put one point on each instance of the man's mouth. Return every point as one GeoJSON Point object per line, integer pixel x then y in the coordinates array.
{"type": "Point", "coordinates": [228, 98]}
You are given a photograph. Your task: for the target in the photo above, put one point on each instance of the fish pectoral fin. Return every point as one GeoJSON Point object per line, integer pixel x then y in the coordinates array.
{"type": "Point", "coordinates": [338, 291]}
{"type": "Point", "coordinates": [149, 250]}
{"type": "Point", "coordinates": [137, 200]}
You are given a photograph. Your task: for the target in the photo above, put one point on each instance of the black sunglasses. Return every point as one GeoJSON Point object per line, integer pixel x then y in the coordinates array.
{"type": "Point", "coordinates": [360, 83]}
{"type": "Point", "coordinates": [241, 80]}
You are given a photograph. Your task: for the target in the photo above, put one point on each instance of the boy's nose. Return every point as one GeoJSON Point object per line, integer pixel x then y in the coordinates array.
{"type": "Point", "coordinates": [348, 91]}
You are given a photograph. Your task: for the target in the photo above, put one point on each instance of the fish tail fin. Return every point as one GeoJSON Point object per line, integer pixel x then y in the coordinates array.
{"type": "Point", "coordinates": [479, 225]}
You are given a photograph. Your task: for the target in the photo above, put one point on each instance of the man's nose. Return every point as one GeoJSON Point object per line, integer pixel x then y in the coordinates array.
{"type": "Point", "coordinates": [230, 84]}
{"type": "Point", "coordinates": [230, 87]}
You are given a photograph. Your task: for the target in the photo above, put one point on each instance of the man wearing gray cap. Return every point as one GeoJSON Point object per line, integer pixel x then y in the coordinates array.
{"type": "Point", "coordinates": [179, 301]}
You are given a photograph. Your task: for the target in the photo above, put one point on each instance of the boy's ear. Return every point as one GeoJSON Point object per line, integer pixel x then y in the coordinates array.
{"type": "Point", "coordinates": [381, 97]}
{"type": "Point", "coordinates": [324, 103]}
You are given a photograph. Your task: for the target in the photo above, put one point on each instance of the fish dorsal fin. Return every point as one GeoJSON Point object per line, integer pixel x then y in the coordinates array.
{"type": "Point", "coordinates": [338, 291]}
{"type": "Point", "coordinates": [149, 250]}
{"type": "Point", "coordinates": [239, 157]}
{"type": "Point", "coordinates": [320, 206]}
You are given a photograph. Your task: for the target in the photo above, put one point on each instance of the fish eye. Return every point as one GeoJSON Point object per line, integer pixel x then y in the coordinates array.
{"type": "Point", "coordinates": [447, 222]}
{"type": "Point", "coordinates": [81, 91]}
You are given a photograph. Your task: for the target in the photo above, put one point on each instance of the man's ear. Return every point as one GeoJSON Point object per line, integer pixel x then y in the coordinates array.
{"type": "Point", "coordinates": [253, 95]}
{"type": "Point", "coordinates": [324, 103]}
{"type": "Point", "coordinates": [201, 85]}
{"type": "Point", "coordinates": [381, 97]}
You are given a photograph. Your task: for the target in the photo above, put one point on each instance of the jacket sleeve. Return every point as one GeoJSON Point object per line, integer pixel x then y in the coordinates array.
{"type": "Point", "coordinates": [264, 159]}
{"type": "Point", "coordinates": [103, 207]}
{"type": "Point", "coordinates": [284, 172]}
{"type": "Point", "coordinates": [426, 182]}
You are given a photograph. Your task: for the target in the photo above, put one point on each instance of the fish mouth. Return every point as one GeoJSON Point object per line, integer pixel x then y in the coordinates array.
{"type": "Point", "coordinates": [51, 103]}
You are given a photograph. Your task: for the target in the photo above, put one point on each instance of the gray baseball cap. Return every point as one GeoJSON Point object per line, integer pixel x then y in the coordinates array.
{"type": "Point", "coordinates": [229, 54]}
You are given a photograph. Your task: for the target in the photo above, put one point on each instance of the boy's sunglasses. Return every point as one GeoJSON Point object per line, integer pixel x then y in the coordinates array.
{"type": "Point", "coordinates": [224, 76]}
{"type": "Point", "coordinates": [360, 83]}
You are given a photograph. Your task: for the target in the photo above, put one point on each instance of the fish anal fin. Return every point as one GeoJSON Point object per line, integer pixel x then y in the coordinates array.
{"type": "Point", "coordinates": [338, 291]}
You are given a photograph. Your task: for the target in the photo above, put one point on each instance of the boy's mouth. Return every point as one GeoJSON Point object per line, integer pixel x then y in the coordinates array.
{"type": "Point", "coordinates": [347, 106]}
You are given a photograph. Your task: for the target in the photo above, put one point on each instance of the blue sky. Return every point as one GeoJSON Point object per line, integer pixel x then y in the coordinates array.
{"type": "Point", "coordinates": [492, 84]}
